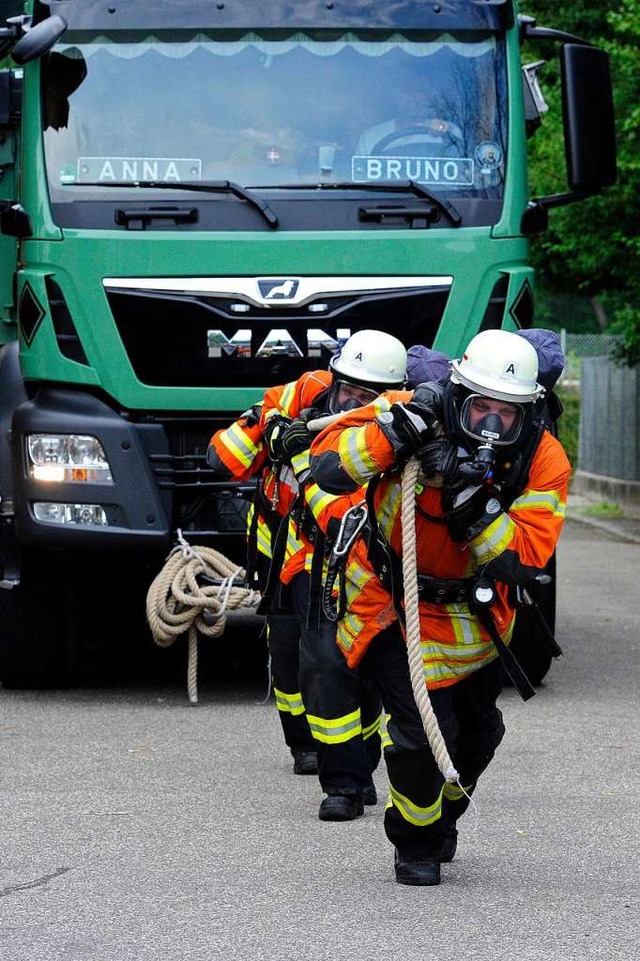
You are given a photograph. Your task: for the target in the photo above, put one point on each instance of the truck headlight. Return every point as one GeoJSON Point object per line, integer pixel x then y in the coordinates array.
{"type": "Point", "coordinates": [68, 457]}
{"type": "Point", "coordinates": [70, 514]}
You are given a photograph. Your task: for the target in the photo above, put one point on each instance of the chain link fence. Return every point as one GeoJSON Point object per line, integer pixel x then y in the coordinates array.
{"type": "Point", "coordinates": [578, 346]}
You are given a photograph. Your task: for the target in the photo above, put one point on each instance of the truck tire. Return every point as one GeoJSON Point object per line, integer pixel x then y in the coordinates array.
{"type": "Point", "coordinates": [36, 644]}
{"type": "Point", "coordinates": [531, 650]}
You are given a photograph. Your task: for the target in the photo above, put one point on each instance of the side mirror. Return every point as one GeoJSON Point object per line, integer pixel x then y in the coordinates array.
{"type": "Point", "coordinates": [589, 124]}
{"type": "Point", "coordinates": [38, 40]}
{"type": "Point", "coordinates": [588, 121]}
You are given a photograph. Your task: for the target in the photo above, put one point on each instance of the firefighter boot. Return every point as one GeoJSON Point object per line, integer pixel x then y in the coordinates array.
{"type": "Point", "coordinates": [341, 807]}
{"type": "Point", "coordinates": [449, 845]}
{"type": "Point", "coordinates": [370, 795]}
{"type": "Point", "coordinates": [305, 762]}
{"type": "Point", "coordinates": [408, 871]}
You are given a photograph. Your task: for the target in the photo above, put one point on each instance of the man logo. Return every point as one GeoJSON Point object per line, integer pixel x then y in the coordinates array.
{"type": "Point", "coordinates": [278, 289]}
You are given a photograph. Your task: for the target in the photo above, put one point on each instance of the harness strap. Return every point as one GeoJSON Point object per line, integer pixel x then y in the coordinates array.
{"type": "Point", "coordinates": [278, 551]}
{"type": "Point", "coordinates": [262, 508]}
{"type": "Point", "coordinates": [520, 680]}
{"type": "Point", "coordinates": [315, 582]}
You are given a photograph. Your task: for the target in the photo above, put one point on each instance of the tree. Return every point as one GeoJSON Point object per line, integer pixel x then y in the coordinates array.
{"type": "Point", "coordinates": [592, 248]}
{"type": "Point", "coordinates": [624, 48]}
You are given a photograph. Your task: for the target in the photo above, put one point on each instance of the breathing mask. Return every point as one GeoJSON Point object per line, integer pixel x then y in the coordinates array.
{"type": "Point", "coordinates": [490, 424]}
{"type": "Point", "coordinates": [345, 395]}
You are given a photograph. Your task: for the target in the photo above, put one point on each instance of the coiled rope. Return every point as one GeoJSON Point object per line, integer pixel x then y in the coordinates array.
{"type": "Point", "coordinates": [178, 603]}
{"type": "Point", "coordinates": [412, 615]}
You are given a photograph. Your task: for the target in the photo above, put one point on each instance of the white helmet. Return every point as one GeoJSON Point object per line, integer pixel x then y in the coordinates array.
{"type": "Point", "coordinates": [371, 357]}
{"type": "Point", "coordinates": [499, 364]}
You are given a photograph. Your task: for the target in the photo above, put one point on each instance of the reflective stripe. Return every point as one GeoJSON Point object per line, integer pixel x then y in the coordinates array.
{"type": "Point", "coordinates": [385, 737]}
{"type": "Point", "coordinates": [540, 499]}
{"type": "Point", "coordinates": [336, 730]}
{"type": "Point", "coordinates": [494, 539]}
{"type": "Point", "coordinates": [372, 728]}
{"type": "Point", "coordinates": [240, 445]}
{"type": "Point", "coordinates": [294, 544]}
{"type": "Point", "coordinates": [263, 538]}
{"type": "Point", "coordinates": [288, 703]}
{"type": "Point", "coordinates": [349, 629]}
{"type": "Point", "coordinates": [300, 461]}
{"type": "Point", "coordinates": [388, 509]}
{"type": "Point", "coordinates": [411, 812]}
{"type": "Point", "coordinates": [318, 500]}
{"type": "Point", "coordinates": [453, 792]}
{"type": "Point", "coordinates": [446, 663]}
{"type": "Point", "coordinates": [466, 628]}
{"type": "Point", "coordinates": [350, 626]}
{"type": "Point", "coordinates": [355, 454]}
{"type": "Point", "coordinates": [287, 396]}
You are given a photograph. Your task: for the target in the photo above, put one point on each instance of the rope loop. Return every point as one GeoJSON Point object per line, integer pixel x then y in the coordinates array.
{"type": "Point", "coordinates": [178, 602]}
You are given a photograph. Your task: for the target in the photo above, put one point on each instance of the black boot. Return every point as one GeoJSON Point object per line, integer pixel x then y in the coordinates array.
{"type": "Point", "coordinates": [409, 871]}
{"type": "Point", "coordinates": [370, 795]}
{"type": "Point", "coordinates": [449, 845]}
{"type": "Point", "coordinates": [341, 807]}
{"type": "Point", "coordinates": [305, 762]}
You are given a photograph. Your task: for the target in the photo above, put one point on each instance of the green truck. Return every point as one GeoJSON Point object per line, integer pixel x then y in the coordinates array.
{"type": "Point", "coordinates": [199, 199]}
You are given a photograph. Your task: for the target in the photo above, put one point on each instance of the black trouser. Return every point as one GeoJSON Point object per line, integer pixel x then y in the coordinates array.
{"type": "Point", "coordinates": [424, 807]}
{"type": "Point", "coordinates": [283, 638]}
{"type": "Point", "coordinates": [343, 712]}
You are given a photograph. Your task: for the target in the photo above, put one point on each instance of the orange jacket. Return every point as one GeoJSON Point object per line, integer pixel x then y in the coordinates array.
{"type": "Point", "coordinates": [240, 452]}
{"type": "Point", "coordinates": [290, 400]}
{"type": "Point", "coordinates": [516, 545]}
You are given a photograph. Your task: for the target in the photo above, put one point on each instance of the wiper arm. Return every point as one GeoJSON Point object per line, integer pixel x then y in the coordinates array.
{"type": "Point", "coordinates": [384, 186]}
{"type": "Point", "coordinates": [199, 186]}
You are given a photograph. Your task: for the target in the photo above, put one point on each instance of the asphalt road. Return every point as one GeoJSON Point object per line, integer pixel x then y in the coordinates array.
{"type": "Point", "coordinates": [136, 826]}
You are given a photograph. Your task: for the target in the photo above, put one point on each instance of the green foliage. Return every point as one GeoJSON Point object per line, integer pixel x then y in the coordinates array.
{"type": "Point", "coordinates": [569, 422]}
{"type": "Point", "coordinates": [604, 509]}
{"type": "Point", "coordinates": [592, 248]}
{"type": "Point", "coordinates": [626, 324]}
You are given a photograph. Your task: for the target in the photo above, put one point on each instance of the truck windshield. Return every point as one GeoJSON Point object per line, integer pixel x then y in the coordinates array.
{"type": "Point", "coordinates": [261, 110]}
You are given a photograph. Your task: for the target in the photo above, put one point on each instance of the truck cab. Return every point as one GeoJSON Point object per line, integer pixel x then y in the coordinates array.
{"type": "Point", "coordinates": [199, 200]}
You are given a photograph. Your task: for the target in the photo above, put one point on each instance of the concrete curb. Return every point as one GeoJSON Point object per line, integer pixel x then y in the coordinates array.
{"type": "Point", "coordinates": [625, 529]}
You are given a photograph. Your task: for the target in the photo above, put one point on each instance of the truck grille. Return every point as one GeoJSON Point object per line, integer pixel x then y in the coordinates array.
{"type": "Point", "coordinates": [149, 321]}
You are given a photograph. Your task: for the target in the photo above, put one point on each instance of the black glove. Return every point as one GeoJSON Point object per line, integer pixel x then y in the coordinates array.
{"type": "Point", "coordinates": [273, 431]}
{"type": "Point", "coordinates": [439, 459]}
{"type": "Point", "coordinates": [408, 427]}
{"type": "Point", "coordinates": [468, 509]}
{"type": "Point", "coordinates": [295, 439]}
{"type": "Point", "coordinates": [429, 394]}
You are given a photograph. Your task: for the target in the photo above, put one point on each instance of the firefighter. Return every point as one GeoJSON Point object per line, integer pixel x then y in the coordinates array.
{"type": "Point", "coordinates": [240, 452]}
{"type": "Point", "coordinates": [343, 715]}
{"type": "Point", "coordinates": [489, 504]}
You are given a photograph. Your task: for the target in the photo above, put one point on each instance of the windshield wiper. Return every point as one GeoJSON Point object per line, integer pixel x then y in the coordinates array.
{"type": "Point", "coordinates": [199, 186]}
{"type": "Point", "coordinates": [384, 186]}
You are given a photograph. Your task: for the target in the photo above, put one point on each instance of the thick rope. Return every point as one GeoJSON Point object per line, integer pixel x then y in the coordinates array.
{"type": "Point", "coordinates": [176, 602]}
{"type": "Point", "coordinates": [412, 614]}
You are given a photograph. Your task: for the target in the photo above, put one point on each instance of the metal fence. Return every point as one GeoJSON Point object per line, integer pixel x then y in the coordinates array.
{"type": "Point", "coordinates": [578, 346]}
{"type": "Point", "coordinates": [609, 442]}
